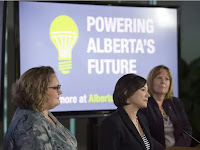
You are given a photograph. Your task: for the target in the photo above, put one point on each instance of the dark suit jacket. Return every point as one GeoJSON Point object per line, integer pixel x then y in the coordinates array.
{"type": "Point", "coordinates": [175, 110]}
{"type": "Point", "coordinates": [117, 132]}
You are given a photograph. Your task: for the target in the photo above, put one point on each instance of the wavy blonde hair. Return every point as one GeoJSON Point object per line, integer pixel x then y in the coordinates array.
{"type": "Point", "coordinates": [152, 75]}
{"type": "Point", "coordinates": [29, 90]}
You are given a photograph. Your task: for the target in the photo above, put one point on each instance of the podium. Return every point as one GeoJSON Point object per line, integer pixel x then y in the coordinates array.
{"type": "Point", "coordinates": [184, 148]}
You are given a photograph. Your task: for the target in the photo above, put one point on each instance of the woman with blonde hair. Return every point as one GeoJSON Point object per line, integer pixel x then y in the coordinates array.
{"type": "Point", "coordinates": [165, 113]}
{"type": "Point", "coordinates": [33, 127]}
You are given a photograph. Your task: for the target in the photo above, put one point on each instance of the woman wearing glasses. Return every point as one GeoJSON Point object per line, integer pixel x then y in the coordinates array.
{"type": "Point", "coordinates": [33, 126]}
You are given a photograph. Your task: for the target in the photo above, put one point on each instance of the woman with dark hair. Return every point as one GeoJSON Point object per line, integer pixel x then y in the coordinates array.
{"type": "Point", "coordinates": [33, 127]}
{"type": "Point", "coordinates": [126, 129]}
{"type": "Point", "coordinates": [165, 114]}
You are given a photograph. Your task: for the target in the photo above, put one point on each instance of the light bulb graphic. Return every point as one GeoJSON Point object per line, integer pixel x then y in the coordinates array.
{"type": "Point", "coordinates": [64, 34]}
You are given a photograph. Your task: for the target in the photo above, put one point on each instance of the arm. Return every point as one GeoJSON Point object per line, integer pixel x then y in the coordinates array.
{"type": "Point", "coordinates": [183, 139]}
{"type": "Point", "coordinates": [109, 135]}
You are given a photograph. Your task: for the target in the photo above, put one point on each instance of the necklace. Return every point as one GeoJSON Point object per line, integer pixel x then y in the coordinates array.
{"type": "Point", "coordinates": [164, 115]}
{"type": "Point", "coordinates": [138, 127]}
{"type": "Point", "coordinates": [136, 121]}
{"type": "Point", "coordinates": [162, 112]}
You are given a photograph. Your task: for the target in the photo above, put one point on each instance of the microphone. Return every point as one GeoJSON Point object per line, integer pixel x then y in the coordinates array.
{"type": "Point", "coordinates": [191, 136]}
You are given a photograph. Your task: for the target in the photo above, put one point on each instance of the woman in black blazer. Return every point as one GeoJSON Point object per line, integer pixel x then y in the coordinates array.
{"type": "Point", "coordinates": [126, 129]}
{"type": "Point", "coordinates": [165, 114]}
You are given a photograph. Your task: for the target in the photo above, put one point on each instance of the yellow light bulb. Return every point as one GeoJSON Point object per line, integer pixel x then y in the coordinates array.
{"type": "Point", "coordinates": [64, 34]}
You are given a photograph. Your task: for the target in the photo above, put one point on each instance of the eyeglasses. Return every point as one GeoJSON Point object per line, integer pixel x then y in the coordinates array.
{"type": "Point", "coordinates": [56, 87]}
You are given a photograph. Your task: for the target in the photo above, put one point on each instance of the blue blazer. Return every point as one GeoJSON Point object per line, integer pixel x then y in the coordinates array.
{"type": "Point", "coordinates": [117, 132]}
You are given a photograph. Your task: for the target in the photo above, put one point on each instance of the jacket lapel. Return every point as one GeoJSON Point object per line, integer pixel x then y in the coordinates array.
{"type": "Point", "coordinates": [127, 121]}
{"type": "Point", "coordinates": [145, 129]}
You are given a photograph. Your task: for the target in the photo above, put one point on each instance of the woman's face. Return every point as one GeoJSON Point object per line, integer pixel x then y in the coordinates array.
{"type": "Point", "coordinates": [140, 98]}
{"type": "Point", "coordinates": [161, 83]}
{"type": "Point", "coordinates": [53, 93]}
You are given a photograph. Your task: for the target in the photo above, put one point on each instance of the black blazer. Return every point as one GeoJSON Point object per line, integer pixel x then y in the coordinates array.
{"type": "Point", "coordinates": [117, 132]}
{"type": "Point", "coordinates": [175, 110]}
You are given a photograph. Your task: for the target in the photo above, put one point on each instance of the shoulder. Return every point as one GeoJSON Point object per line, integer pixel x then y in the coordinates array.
{"type": "Point", "coordinates": [112, 118]}
{"type": "Point", "coordinates": [112, 121]}
{"type": "Point", "coordinates": [178, 102]}
{"type": "Point", "coordinates": [24, 127]}
{"type": "Point", "coordinates": [33, 125]}
{"type": "Point", "coordinates": [112, 124]}
{"type": "Point", "coordinates": [174, 101]}
{"type": "Point", "coordinates": [26, 120]}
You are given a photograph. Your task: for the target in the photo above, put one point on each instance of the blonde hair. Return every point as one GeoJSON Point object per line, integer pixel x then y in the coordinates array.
{"type": "Point", "coordinates": [152, 75]}
{"type": "Point", "coordinates": [29, 90]}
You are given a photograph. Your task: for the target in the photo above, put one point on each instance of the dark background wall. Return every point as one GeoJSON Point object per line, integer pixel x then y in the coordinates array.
{"type": "Point", "coordinates": [189, 64]}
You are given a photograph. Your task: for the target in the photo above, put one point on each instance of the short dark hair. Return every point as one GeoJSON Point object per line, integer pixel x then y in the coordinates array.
{"type": "Point", "coordinates": [29, 90]}
{"type": "Point", "coordinates": [125, 87]}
